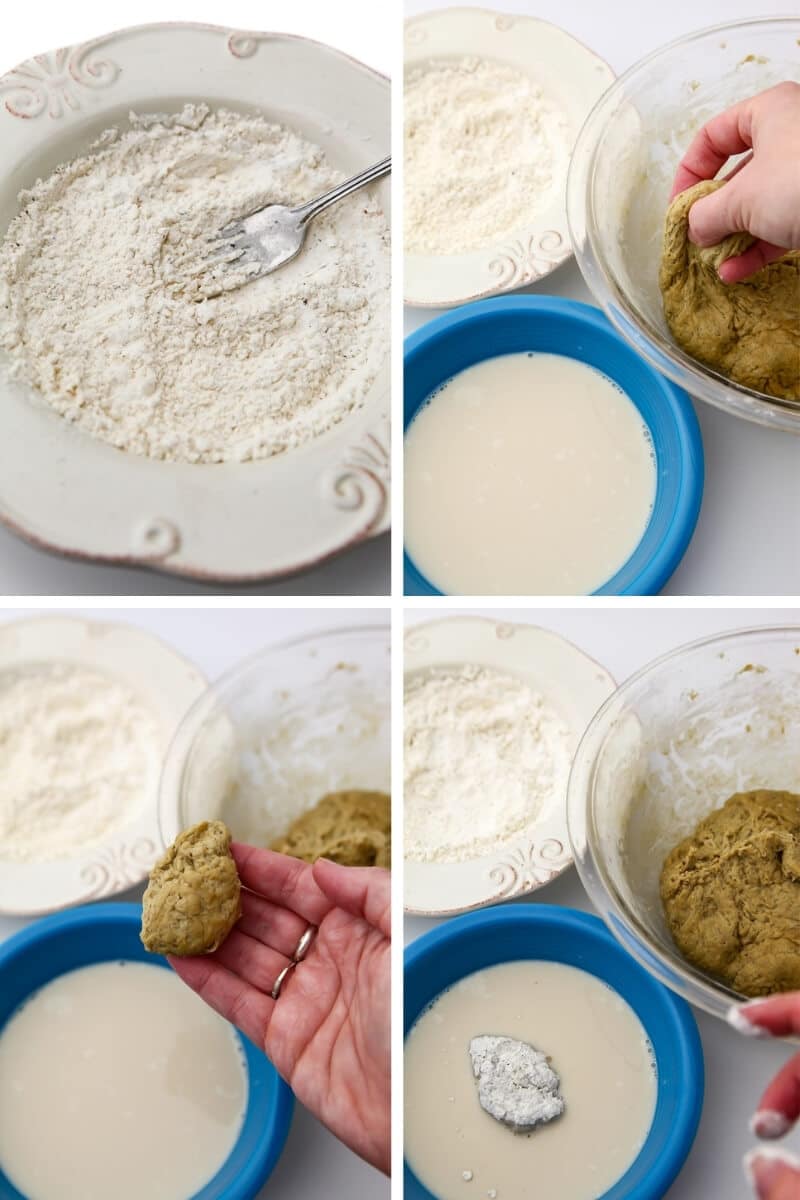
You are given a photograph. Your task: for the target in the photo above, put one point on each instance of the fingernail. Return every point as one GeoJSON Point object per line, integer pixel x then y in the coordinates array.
{"type": "Point", "coordinates": [742, 1024]}
{"type": "Point", "coordinates": [768, 1123]}
{"type": "Point", "coordinates": [764, 1166]}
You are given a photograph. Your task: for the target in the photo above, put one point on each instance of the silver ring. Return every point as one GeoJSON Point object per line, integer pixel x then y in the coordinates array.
{"type": "Point", "coordinates": [301, 949]}
{"type": "Point", "coordinates": [279, 982]}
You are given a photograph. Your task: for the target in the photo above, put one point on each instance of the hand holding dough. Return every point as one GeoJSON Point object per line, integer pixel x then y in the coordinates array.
{"type": "Point", "coordinates": [762, 192]}
{"type": "Point", "coordinates": [748, 331]}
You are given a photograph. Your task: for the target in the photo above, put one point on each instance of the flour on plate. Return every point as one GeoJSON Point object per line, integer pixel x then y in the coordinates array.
{"type": "Point", "coordinates": [79, 758]}
{"type": "Point", "coordinates": [95, 317]}
{"type": "Point", "coordinates": [484, 756]}
{"type": "Point", "coordinates": [485, 150]}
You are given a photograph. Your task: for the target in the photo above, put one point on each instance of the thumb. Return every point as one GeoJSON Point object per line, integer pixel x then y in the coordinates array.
{"type": "Point", "coordinates": [364, 892]}
{"type": "Point", "coordinates": [733, 270]}
{"type": "Point", "coordinates": [774, 1176]}
{"type": "Point", "coordinates": [719, 213]}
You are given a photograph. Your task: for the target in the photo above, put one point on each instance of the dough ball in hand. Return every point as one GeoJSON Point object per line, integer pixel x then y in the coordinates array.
{"type": "Point", "coordinates": [193, 898]}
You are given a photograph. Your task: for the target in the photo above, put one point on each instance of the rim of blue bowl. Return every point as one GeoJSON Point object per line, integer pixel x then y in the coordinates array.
{"type": "Point", "coordinates": [261, 1075]}
{"type": "Point", "coordinates": [654, 574]}
{"type": "Point", "coordinates": [673, 1014]}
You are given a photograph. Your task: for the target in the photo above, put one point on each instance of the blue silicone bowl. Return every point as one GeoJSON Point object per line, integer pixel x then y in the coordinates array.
{"type": "Point", "coordinates": [496, 935]}
{"type": "Point", "coordinates": [513, 324]}
{"type": "Point", "coordinates": [103, 932]}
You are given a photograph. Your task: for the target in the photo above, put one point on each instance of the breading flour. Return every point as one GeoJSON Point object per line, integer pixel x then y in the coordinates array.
{"type": "Point", "coordinates": [79, 756]}
{"type": "Point", "coordinates": [484, 754]}
{"type": "Point", "coordinates": [484, 149]}
{"type": "Point", "coordinates": [95, 317]}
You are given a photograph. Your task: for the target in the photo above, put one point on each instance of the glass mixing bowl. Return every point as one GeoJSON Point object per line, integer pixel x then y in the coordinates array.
{"type": "Point", "coordinates": [621, 174]}
{"type": "Point", "coordinates": [279, 731]}
{"type": "Point", "coordinates": [672, 744]}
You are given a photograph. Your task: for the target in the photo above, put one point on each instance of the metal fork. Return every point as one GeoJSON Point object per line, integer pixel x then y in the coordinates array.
{"type": "Point", "coordinates": [269, 237]}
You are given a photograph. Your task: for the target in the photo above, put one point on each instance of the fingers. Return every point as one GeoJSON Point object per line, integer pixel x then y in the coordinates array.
{"type": "Point", "coordinates": [714, 216]}
{"type": "Point", "coordinates": [285, 881]}
{"type": "Point", "coordinates": [246, 1007]}
{"type": "Point", "coordinates": [276, 927]}
{"type": "Point", "coordinates": [778, 1016]}
{"type": "Point", "coordinates": [733, 270]}
{"type": "Point", "coordinates": [726, 134]}
{"type": "Point", "coordinates": [255, 964]}
{"type": "Point", "coordinates": [780, 1100]}
{"type": "Point", "coordinates": [773, 1175]}
{"type": "Point", "coordinates": [365, 892]}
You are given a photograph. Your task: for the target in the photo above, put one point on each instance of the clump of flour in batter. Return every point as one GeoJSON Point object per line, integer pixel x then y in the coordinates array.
{"type": "Point", "coordinates": [516, 1083]}
{"type": "Point", "coordinates": [94, 316]}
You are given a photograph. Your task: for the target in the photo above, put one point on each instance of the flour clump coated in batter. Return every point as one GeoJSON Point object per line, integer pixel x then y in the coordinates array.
{"type": "Point", "coordinates": [516, 1083]}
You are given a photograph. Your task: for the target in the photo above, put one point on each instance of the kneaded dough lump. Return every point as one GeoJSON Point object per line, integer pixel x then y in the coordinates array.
{"type": "Point", "coordinates": [731, 893]}
{"type": "Point", "coordinates": [193, 898]}
{"type": "Point", "coordinates": [353, 828]}
{"type": "Point", "coordinates": [749, 331]}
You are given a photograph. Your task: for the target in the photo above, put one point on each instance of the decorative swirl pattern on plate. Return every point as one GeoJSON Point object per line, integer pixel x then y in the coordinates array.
{"type": "Point", "coordinates": [155, 538]}
{"type": "Point", "coordinates": [119, 867]}
{"type": "Point", "coordinates": [416, 643]}
{"type": "Point", "coordinates": [504, 630]}
{"type": "Point", "coordinates": [416, 35]}
{"type": "Point", "coordinates": [244, 45]}
{"type": "Point", "coordinates": [528, 867]}
{"type": "Point", "coordinates": [503, 23]}
{"type": "Point", "coordinates": [361, 479]}
{"type": "Point", "coordinates": [529, 259]}
{"type": "Point", "coordinates": [53, 82]}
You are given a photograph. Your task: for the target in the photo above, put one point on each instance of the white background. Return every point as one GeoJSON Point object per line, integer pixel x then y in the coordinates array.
{"type": "Point", "coordinates": [354, 26]}
{"type": "Point", "coordinates": [314, 1165]}
{"type": "Point", "coordinates": [748, 538]}
{"type": "Point", "coordinates": [737, 1068]}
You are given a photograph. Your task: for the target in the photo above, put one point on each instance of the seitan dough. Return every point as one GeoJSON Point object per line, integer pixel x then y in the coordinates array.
{"type": "Point", "coordinates": [193, 898]}
{"type": "Point", "coordinates": [749, 331]}
{"type": "Point", "coordinates": [353, 828]}
{"type": "Point", "coordinates": [731, 893]}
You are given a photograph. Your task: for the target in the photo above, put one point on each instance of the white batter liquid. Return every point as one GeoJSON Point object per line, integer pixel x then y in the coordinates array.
{"type": "Point", "coordinates": [526, 474]}
{"type": "Point", "coordinates": [595, 1042]}
{"type": "Point", "coordinates": [117, 1081]}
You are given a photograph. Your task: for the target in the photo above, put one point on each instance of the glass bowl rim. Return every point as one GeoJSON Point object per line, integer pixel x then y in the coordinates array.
{"type": "Point", "coordinates": [176, 758]}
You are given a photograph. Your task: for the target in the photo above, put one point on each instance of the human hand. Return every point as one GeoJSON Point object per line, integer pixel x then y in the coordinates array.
{"type": "Point", "coordinates": [328, 1034]}
{"type": "Point", "coordinates": [775, 1175]}
{"type": "Point", "coordinates": [763, 195]}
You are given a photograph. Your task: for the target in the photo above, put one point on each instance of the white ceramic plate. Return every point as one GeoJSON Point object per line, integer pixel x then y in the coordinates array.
{"type": "Point", "coordinates": [67, 491]}
{"type": "Point", "coordinates": [567, 71]}
{"type": "Point", "coordinates": [167, 684]}
{"type": "Point", "coordinates": [576, 685]}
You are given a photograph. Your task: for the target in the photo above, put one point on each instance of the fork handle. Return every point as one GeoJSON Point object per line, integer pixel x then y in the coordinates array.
{"type": "Point", "coordinates": [306, 212]}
